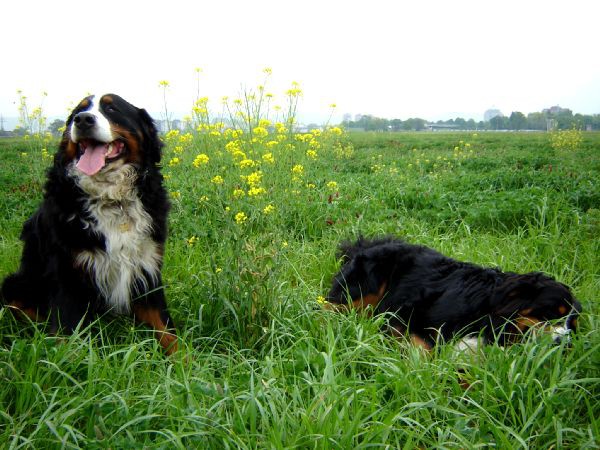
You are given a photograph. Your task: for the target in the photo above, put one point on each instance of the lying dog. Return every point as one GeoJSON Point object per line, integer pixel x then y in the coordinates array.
{"type": "Point", "coordinates": [96, 242]}
{"type": "Point", "coordinates": [432, 296]}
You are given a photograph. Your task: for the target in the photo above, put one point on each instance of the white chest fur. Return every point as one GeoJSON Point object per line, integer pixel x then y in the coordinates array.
{"type": "Point", "coordinates": [121, 270]}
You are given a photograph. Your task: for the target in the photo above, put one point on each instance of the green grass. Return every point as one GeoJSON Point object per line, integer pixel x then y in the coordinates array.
{"type": "Point", "coordinates": [267, 368]}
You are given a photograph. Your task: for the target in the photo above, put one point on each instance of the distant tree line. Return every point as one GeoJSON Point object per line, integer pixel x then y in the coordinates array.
{"type": "Point", "coordinates": [561, 120]}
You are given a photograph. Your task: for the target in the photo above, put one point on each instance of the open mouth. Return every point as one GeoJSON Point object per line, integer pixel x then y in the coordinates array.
{"type": "Point", "coordinates": [95, 155]}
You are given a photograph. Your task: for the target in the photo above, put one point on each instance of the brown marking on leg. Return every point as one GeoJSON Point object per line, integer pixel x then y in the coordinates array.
{"type": "Point", "coordinates": [19, 310]}
{"type": "Point", "coordinates": [398, 331]}
{"type": "Point", "coordinates": [151, 316]}
{"type": "Point", "coordinates": [418, 341]}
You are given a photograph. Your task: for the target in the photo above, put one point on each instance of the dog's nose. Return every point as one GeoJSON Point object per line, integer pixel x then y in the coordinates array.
{"type": "Point", "coordinates": [84, 120]}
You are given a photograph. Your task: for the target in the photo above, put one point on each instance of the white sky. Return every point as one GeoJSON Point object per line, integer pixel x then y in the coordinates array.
{"type": "Point", "coordinates": [431, 59]}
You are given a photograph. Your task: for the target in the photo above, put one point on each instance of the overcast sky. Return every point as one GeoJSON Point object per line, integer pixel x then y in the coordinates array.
{"type": "Point", "coordinates": [431, 59]}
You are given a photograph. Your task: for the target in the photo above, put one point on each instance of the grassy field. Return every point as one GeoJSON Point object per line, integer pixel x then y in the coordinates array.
{"type": "Point", "coordinates": [254, 226]}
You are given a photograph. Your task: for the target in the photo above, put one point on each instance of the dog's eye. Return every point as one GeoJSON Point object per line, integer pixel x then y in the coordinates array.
{"type": "Point", "coordinates": [110, 109]}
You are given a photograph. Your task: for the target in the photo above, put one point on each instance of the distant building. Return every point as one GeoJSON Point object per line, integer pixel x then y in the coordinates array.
{"type": "Point", "coordinates": [491, 113]}
{"type": "Point", "coordinates": [555, 110]}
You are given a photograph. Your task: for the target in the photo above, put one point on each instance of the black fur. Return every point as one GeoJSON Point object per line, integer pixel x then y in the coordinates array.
{"type": "Point", "coordinates": [49, 285]}
{"type": "Point", "coordinates": [431, 295]}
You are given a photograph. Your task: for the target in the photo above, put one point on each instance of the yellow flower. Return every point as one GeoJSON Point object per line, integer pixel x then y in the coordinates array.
{"type": "Point", "coordinates": [295, 91]}
{"type": "Point", "coordinates": [191, 241]}
{"type": "Point", "coordinates": [240, 218]}
{"type": "Point", "coordinates": [174, 162]}
{"type": "Point", "coordinates": [172, 134]}
{"type": "Point", "coordinates": [217, 179]}
{"type": "Point", "coordinates": [254, 178]}
{"type": "Point", "coordinates": [200, 160]}
{"type": "Point", "coordinates": [175, 194]}
{"type": "Point", "coordinates": [163, 83]}
{"type": "Point", "coordinates": [218, 270]}
{"type": "Point", "coordinates": [255, 191]}
{"type": "Point", "coordinates": [332, 185]}
{"type": "Point", "coordinates": [260, 132]}
{"type": "Point", "coordinates": [268, 158]}
{"type": "Point", "coordinates": [321, 300]}
{"type": "Point", "coordinates": [311, 154]}
{"type": "Point", "coordinates": [204, 198]}
{"type": "Point", "coordinates": [237, 193]}
{"type": "Point", "coordinates": [244, 163]}
{"type": "Point", "coordinates": [268, 209]}
{"type": "Point", "coordinates": [186, 138]}
{"type": "Point", "coordinates": [298, 169]}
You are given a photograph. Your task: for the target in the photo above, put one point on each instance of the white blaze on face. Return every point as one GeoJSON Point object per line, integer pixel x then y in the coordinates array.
{"type": "Point", "coordinates": [92, 131]}
{"type": "Point", "coordinates": [101, 131]}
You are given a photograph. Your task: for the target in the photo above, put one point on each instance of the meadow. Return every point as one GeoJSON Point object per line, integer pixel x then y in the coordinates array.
{"type": "Point", "coordinates": [257, 213]}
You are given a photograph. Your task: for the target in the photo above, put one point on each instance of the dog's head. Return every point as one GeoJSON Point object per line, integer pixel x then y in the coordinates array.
{"type": "Point", "coordinates": [105, 132]}
{"type": "Point", "coordinates": [364, 276]}
{"type": "Point", "coordinates": [535, 300]}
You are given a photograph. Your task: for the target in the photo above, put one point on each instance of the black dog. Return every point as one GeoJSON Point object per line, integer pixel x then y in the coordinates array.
{"type": "Point", "coordinates": [96, 243]}
{"type": "Point", "coordinates": [432, 296]}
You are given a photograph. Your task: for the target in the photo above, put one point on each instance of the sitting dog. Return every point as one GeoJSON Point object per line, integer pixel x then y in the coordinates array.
{"type": "Point", "coordinates": [431, 296]}
{"type": "Point", "coordinates": [96, 243]}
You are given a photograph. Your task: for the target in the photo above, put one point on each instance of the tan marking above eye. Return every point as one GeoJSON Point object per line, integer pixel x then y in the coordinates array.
{"type": "Point", "coordinates": [526, 312]}
{"type": "Point", "coordinates": [525, 322]}
{"type": "Point", "coordinates": [418, 341]}
{"type": "Point", "coordinates": [106, 99]}
{"type": "Point", "coordinates": [562, 309]}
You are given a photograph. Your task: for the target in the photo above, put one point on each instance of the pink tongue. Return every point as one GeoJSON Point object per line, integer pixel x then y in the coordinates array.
{"type": "Point", "coordinates": [93, 159]}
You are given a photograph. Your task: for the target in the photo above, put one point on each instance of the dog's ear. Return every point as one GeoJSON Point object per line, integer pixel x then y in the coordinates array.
{"type": "Point", "coordinates": [515, 294]}
{"type": "Point", "coordinates": [350, 281]}
{"type": "Point", "coordinates": [153, 144]}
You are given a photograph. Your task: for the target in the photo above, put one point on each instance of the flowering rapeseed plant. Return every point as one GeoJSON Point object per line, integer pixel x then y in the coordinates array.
{"type": "Point", "coordinates": [241, 218]}
{"type": "Point", "coordinates": [251, 163]}
{"type": "Point", "coordinates": [201, 160]}
{"type": "Point", "coordinates": [569, 140]}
